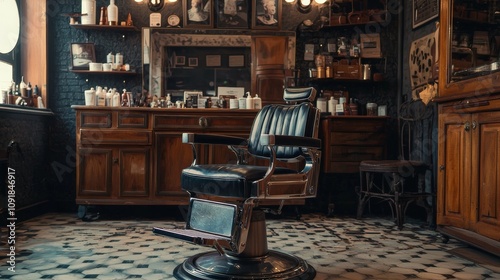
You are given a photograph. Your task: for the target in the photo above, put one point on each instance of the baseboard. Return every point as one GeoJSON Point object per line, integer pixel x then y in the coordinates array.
{"type": "Point", "coordinates": [29, 212]}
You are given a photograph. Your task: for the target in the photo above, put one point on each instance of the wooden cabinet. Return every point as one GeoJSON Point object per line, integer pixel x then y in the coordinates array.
{"type": "Point", "coordinates": [136, 155]}
{"type": "Point", "coordinates": [269, 61]}
{"type": "Point", "coordinates": [469, 172]}
{"type": "Point", "coordinates": [468, 169]}
{"type": "Point", "coordinates": [348, 140]}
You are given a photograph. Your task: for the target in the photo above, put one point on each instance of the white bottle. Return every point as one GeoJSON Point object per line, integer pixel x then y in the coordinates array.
{"type": "Point", "coordinates": [89, 97]}
{"type": "Point", "coordinates": [110, 58]}
{"type": "Point", "coordinates": [321, 104]}
{"type": "Point", "coordinates": [112, 13]}
{"type": "Point", "coordinates": [249, 103]}
{"type": "Point", "coordinates": [332, 103]}
{"type": "Point", "coordinates": [101, 98]}
{"type": "Point", "coordinates": [257, 102]}
{"type": "Point", "coordinates": [116, 99]}
{"type": "Point", "coordinates": [119, 59]}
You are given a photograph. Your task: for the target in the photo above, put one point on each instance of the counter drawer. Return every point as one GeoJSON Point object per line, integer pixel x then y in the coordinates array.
{"type": "Point", "coordinates": [132, 120]}
{"type": "Point", "coordinates": [202, 122]}
{"type": "Point", "coordinates": [95, 119]}
{"type": "Point", "coordinates": [115, 136]}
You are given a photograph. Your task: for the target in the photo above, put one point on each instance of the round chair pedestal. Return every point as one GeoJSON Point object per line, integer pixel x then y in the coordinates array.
{"type": "Point", "coordinates": [275, 265]}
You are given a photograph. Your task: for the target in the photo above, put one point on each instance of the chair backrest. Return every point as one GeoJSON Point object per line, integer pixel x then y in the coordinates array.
{"type": "Point", "coordinates": [416, 123]}
{"type": "Point", "coordinates": [300, 119]}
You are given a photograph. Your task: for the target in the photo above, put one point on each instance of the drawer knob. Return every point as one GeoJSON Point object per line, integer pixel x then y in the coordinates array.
{"type": "Point", "coordinates": [203, 122]}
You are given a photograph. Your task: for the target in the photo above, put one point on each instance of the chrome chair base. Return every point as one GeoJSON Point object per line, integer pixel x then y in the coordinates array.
{"type": "Point", "coordinates": [274, 265]}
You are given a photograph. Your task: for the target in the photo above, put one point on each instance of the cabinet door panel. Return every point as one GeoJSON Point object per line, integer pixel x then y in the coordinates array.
{"type": "Point", "coordinates": [454, 179]}
{"type": "Point", "coordinates": [269, 85]}
{"type": "Point", "coordinates": [171, 157]}
{"type": "Point", "coordinates": [134, 171]}
{"type": "Point", "coordinates": [488, 188]}
{"type": "Point", "coordinates": [94, 171]}
{"type": "Point", "coordinates": [270, 52]}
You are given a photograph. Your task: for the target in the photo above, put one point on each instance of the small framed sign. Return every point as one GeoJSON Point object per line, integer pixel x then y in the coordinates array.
{"type": "Point", "coordinates": [423, 11]}
{"type": "Point", "coordinates": [81, 55]}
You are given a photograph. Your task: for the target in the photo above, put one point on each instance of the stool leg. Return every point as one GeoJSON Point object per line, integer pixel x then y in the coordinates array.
{"type": "Point", "coordinates": [364, 191]}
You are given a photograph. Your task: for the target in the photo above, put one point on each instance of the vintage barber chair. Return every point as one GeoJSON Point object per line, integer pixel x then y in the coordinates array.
{"type": "Point", "coordinates": [236, 227]}
{"type": "Point", "coordinates": [409, 178]}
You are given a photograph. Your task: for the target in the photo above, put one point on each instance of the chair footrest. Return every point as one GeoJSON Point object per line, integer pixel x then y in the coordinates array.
{"type": "Point", "coordinates": [190, 235]}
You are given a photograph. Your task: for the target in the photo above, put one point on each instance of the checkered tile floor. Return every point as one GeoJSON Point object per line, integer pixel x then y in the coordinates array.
{"type": "Point", "coordinates": [61, 246]}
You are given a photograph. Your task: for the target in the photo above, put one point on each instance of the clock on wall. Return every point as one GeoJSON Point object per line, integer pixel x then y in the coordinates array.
{"type": "Point", "coordinates": [173, 21]}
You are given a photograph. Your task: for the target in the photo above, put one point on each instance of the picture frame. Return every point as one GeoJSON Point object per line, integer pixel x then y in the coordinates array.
{"type": "Point", "coordinates": [191, 98]}
{"type": "Point", "coordinates": [199, 16]}
{"type": "Point", "coordinates": [213, 60]}
{"type": "Point", "coordinates": [424, 11]}
{"type": "Point", "coordinates": [192, 61]}
{"type": "Point", "coordinates": [180, 60]}
{"type": "Point", "coordinates": [232, 14]}
{"type": "Point", "coordinates": [266, 14]}
{"type": "Point", "coordinates": [236, 61]}
{"type": "Point", "coordinates": [81, 55]}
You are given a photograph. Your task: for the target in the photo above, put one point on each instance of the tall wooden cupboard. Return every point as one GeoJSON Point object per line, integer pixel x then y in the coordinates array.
{"type": "Point", "coordinates": [468, 168]}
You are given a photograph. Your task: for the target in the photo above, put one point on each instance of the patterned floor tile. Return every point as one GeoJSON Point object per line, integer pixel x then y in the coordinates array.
{"type": "Point", "coordinates": [60, 246]}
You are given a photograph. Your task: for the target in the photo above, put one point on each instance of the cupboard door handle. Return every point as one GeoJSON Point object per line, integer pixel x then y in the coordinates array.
{"type": "Point", "coordinates": [115, 160]}
{"type": "Point", "coordinates": [441, 167]}
{"type": "Point", "coordinates": [203, 122]}
{"type": "Point", "coordinates": [474, 125]}
{"type": "Point", "coordinates": [467, 126]}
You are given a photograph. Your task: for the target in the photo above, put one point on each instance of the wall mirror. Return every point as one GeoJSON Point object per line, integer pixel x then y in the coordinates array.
{"type": "Point", "coordinates": [9, 25]}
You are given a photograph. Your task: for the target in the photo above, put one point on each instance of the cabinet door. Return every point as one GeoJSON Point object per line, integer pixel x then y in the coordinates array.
{"type": "Point", "coordinates": [171, 156]}
{"type": "Point", "coordinates": [269, 55]}
{"type": "Point", "coordinates": [454, 176]}
{"type": "Point", "coordinates": [94, 173]}
{"type": "Point", "coordinates": [134, 174]}
{"type": "Point", "coordinates": [486, 166]}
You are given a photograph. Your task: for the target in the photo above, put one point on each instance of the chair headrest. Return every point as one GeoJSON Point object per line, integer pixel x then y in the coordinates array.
{"type": "Point", "coordinates": [299, 94]}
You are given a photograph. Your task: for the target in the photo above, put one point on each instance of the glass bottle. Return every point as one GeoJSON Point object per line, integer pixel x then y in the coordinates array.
{"type": "Point", "coordinates": [112, 13]}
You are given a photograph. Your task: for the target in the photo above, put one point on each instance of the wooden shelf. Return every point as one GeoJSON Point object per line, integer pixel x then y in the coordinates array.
{"type": "Point", "coordinates": [105, 27]}
{"type": "Point", "coordinates": [104, 72]}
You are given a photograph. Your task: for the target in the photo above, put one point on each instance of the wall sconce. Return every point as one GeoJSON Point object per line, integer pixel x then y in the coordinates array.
{"type": "Point", "coordinates": [304, 6]}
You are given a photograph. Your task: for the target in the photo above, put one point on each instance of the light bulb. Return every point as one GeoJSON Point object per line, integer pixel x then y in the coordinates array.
{"type": "Point", "coordinates": [289, 1]}
{"type": "Point", "coordinates": [320, 1]}
{"type": "Point", "coordinates": [305, 3]}
{"type": "Point", "coordinates": [138, 0]}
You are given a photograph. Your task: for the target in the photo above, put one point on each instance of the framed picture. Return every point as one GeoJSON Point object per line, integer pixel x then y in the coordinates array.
{"type": "Point", "coordinates": [236, 61]}
{"type": "Point", "coordinates": [193, 62]}
{"type": "Point", "coordinates": [191, 98]}
{"type": "Point", "coordinates": [180, 60]}
{"type": "Point", "coordinates": [198, 13]}
{"type": "Point", "coordinates": [424, 11]}
{"type": "Point", "coordinates": [213, 60]}
{"type": "Point", "coordinates": [266, 14]}
{"type": "Point", "coordinates": [81, 55]}
{"type": "Point", "coordinates": [232, 13]}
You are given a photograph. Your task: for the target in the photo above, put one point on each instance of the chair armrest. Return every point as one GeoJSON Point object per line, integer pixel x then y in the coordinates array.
{"type": "Point", "coordinates": [202, 138]}
{"type": "Point", "coordinates": [286, 140]}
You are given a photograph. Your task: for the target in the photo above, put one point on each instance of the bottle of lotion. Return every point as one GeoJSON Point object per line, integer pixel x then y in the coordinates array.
{"type": "Point", "coordinates": [249, 103]}
{"type": "Point", "coordinates": [257, 102]}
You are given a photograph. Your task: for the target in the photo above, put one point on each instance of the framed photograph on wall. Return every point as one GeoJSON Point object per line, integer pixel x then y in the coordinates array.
{"type": "Point", "coordinates": [266, 14]}
{"type": "Point", "coordinates": [180, 60]}
{"type": "Point", "coordinates": [424, 11]}
{"type": "Point", "coordinates": [81, 55]}
{"type": "Point", "coordinates": [192, 61]}
{"type": "Point", "coordinates": [232, 13]}
{"type": "Point", "coordinates": [198, 13]}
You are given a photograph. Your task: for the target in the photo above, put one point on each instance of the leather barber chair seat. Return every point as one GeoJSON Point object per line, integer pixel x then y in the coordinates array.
{"type": "Point", "coordinates": [283, 136]}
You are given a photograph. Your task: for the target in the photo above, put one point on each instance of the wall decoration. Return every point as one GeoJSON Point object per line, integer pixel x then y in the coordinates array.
{"type": "Point", "coordinates": [213, 60]}
{"type": "Point", "coordinates": [81, 55]}
{"type": "Point", "coordinates": [180, 60]}
{"type": "Point", "coordinates": [192, 61]}
{"type": "Point", "coordinates": [266, 14]}
{"type": "Point", "coordinates": [236, 61]}
{"type": "Point", "coordinates": [198, 13]}
{"type": "Point", "coordinates": [191, 98]}
{"type": "Point", "coordinates": [423, 11]}
{"type": "Point", "coordinates": [232, 13]}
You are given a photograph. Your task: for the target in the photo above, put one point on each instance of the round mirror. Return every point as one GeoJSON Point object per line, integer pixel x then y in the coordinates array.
{"type": "Point", "coordinates": [9, 25]}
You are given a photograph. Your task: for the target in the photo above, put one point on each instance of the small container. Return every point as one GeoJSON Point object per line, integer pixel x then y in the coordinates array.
{"type": "Point", "coordinates": [321, 72]}
{"type": "Point", "coordinates": [371, 109]}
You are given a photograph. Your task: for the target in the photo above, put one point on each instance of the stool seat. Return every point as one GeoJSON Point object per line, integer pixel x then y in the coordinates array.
{"type": "Point", "coordinates": [390, 165]}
